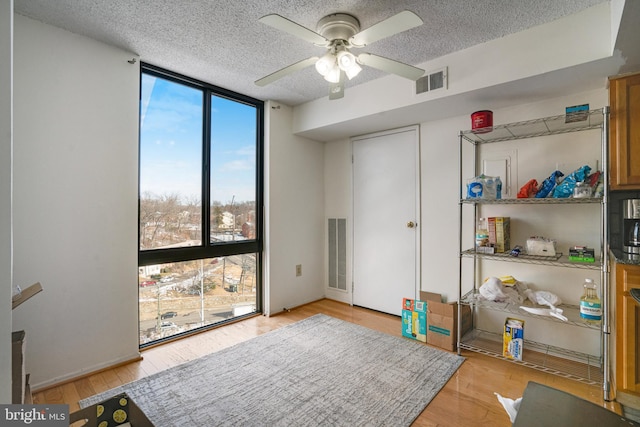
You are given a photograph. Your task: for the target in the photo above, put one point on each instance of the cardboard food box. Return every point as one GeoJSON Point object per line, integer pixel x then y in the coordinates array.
{"type": "Point", "coordinates": [414, 319]}
{"type": "Point", "coordinates": [119, 410]}
{"type": "Point", "coordinates": [500, 233]}
{"type": "Point", "coordinates": [442, 321]}
{"type": "Point", "coordinates": [582, 254]}
{"type": "Point", "coordinates": [513, 338]}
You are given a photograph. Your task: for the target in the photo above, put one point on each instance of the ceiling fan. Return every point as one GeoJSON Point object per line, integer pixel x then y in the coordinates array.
{"type": "Point", "coordinates": [338, 33]}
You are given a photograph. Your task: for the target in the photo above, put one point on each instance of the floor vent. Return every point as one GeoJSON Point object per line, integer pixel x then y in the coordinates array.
{"type": "Point", "coordinates": [337, 228]}
{"type": "Point", "coordinates": [432, 81]}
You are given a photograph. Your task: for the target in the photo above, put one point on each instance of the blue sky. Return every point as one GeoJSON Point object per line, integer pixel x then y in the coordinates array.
{"type": "Point", "coordinates": [171, 143]}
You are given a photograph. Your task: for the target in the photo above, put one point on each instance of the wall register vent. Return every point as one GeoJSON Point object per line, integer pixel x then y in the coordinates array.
{"type": "Point", "coordinates": [337, 231]}
{"type": "Point", "coordinates": [433, 80]}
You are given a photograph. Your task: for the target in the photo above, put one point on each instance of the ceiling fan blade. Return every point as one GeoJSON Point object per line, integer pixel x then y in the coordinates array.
{"type": "Point", "coordinates": [286, 70]}
{"type": "Point", "coordinates": [391, 66]}
{"type": "Point", "coordinates": [396, 24]}
{"type": "Point", "coordinates": [283, 24]}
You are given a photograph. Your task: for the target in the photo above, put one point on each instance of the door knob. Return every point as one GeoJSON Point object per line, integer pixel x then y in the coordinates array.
{"type": "Point", "coordinates": [411, 224]}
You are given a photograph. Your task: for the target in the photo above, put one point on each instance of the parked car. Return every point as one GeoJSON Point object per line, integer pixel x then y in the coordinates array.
{"type": "Point", "coordinates": [168, 315]}
{"type": "Point", "coordinates": [147, 283]}
{"type": "Point", "coordinates": [168, 325]}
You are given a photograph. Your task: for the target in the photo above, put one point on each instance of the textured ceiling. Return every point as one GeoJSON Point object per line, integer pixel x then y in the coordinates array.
{"type": "Point", "coordinates": [222, 42]}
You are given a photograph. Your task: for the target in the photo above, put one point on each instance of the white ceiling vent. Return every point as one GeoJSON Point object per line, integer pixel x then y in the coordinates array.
{"type": "Point", "coordinates": [432, 81]}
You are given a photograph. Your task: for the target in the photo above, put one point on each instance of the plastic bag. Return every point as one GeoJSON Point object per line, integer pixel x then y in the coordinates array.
{"type": "Point", "coordinates": [565, 188]}
{"type": "Point", "coordinates": [494, 290]}
{"type": "Point", "coordinates": [484, 187]}
{"type": "Point", "coordinates": [544, 298]}
{"type": "Point", "coordinates": [528, 190]}
{"type": "Point", "coordinates": [549, 184]}
{"type": "Point", "coordinates": [510, 405]}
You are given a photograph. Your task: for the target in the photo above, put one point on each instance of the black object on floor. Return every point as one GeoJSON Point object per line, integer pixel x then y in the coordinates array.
{"type": "Point", "coordinates": [543, 406]}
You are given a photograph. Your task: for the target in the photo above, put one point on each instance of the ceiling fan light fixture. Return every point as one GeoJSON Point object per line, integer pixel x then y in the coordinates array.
{"type": "Point", "coordinates": [338, 33]}
{"type": "Point", "coordinates": [353, 71]}
{"type": "Point", "coordinates": [325, 64]}
{"type": "Point", "coordinates": [333, 75]}
{"type": "Point", "coordinates": [348, 63]}
{"type": "Point", "coordinates": [346, 59]}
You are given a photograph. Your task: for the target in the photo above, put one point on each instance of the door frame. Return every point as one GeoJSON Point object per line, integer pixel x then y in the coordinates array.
{"type": "Point", "coordinates": [418, 207]}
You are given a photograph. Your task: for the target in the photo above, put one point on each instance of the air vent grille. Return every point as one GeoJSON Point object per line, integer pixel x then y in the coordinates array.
{"type": "Point", "coordinates": [337, 230]}
{"type": "Point", "coordinates": [432, 81]}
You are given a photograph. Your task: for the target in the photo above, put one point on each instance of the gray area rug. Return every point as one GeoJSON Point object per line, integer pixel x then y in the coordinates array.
{"type": "Point", "coordinates": [320, 371]}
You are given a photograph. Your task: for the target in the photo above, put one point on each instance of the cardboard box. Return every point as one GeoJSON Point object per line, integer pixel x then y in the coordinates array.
{"type": "Point", "coordinates": [513, 338]}
{"type": "Point", "coordinates": [500, 233]}
{"type": "Point", "coordinates": [442, 321]}
{"type": "Point", "coordinates": [18, 373]}
{"type": "Point", "coordinates": [414, 319]}
{"type": "Point", "coordinates": [119, 410]}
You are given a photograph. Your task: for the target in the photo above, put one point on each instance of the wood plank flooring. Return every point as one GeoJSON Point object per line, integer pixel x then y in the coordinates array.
{"type": "Point", "coordinates": [467, 400]}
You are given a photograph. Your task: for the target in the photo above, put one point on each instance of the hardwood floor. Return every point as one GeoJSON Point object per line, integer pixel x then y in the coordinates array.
{"type": "Point", "coordinates": [467, 399]}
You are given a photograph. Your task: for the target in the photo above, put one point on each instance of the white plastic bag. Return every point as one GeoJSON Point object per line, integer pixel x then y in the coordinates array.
{"type": "Point", "coordinates": [510, 405]}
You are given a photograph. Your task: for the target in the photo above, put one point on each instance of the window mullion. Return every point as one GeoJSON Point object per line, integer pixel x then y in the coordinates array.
{"type": "Point", "coordinates": [206, 170]}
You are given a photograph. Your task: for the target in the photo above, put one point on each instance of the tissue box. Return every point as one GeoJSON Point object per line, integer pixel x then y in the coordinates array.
{"type": "Point", "coordinates": [513, 338]}
{"type": "Point", "coordinates": [414, 319]}
{"type": "Point", "coordinates": [541, 247]}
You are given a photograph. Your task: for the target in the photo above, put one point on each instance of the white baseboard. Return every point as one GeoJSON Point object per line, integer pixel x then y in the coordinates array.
{"type": "Point", "coordinates": [84, 372]}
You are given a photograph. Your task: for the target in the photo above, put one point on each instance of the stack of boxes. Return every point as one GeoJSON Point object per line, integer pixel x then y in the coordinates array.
{"type": "Point", "coordinates": [499, 233]}
{"type": "Point", "coordinates": [432, 321]}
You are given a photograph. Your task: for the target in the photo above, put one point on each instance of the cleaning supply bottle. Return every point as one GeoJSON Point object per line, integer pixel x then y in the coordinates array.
{"type": "Point", "coordinates": [482, 233]}
{"type": "Point", "coordinates": [590, 306]}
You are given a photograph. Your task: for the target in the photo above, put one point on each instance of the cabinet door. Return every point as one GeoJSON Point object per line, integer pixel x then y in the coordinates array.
{"type": "Point", "coordinates": [627, 328]}
{"type": "Point", "coordinates": [624, 100]}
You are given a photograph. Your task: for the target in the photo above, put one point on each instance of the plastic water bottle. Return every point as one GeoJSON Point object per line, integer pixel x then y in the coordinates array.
{"type": "Point", "coordinates": [498, 188]}
{"type": "Point", "coordinates": [590, 306]}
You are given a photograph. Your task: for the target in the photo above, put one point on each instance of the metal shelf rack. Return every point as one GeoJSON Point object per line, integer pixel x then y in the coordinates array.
{"type": "Point", "coordinates": [572, 312]}
{"type": "Point", "coordinates": [577, 366]}
{"type": "Point", "coordinates": [559, 260]}
{"type": "Point", "coordinates": [560, 361]}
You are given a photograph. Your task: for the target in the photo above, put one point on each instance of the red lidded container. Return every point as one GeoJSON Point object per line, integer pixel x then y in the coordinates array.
{"type": "Point", "coordinates": [482, 121]}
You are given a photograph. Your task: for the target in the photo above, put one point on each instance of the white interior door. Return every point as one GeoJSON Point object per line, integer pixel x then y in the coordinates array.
{"type": "Point", "coordinates": [385, 219]}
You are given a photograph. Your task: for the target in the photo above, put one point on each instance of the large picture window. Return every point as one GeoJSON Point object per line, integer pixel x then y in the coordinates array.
{"type": "Point", "coordinates": [200, 205]}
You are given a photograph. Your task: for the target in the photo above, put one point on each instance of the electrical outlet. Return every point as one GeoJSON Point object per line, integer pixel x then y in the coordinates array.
{"type": "Point", "coordinates": [298, 270]}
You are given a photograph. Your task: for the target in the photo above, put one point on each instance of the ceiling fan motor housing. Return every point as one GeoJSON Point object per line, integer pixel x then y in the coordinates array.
{"type": "Point", "coordinates": [338, 26]}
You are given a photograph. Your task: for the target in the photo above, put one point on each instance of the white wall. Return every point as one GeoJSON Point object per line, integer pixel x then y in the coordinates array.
{"type": "Point", "coordinates": [338, 180]}
{"type": "Point", "coordinates": [75, 200]}
{"type": "Point", "coordinates": [294, 194]}
{"type": "Point", "coordinates": [6, 155]}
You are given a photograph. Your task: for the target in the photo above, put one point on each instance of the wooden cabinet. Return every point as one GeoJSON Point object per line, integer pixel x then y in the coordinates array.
{"type": "Point", "coordinates": [624, 149]}
{"type": "Point", "coordinates": [627, 329]}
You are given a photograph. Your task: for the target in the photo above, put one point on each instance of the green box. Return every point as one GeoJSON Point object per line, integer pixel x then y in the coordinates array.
{"type": "Point", "coordinates": [414, 319]}
{"type": "Point", "coordinates": [582, 254]}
